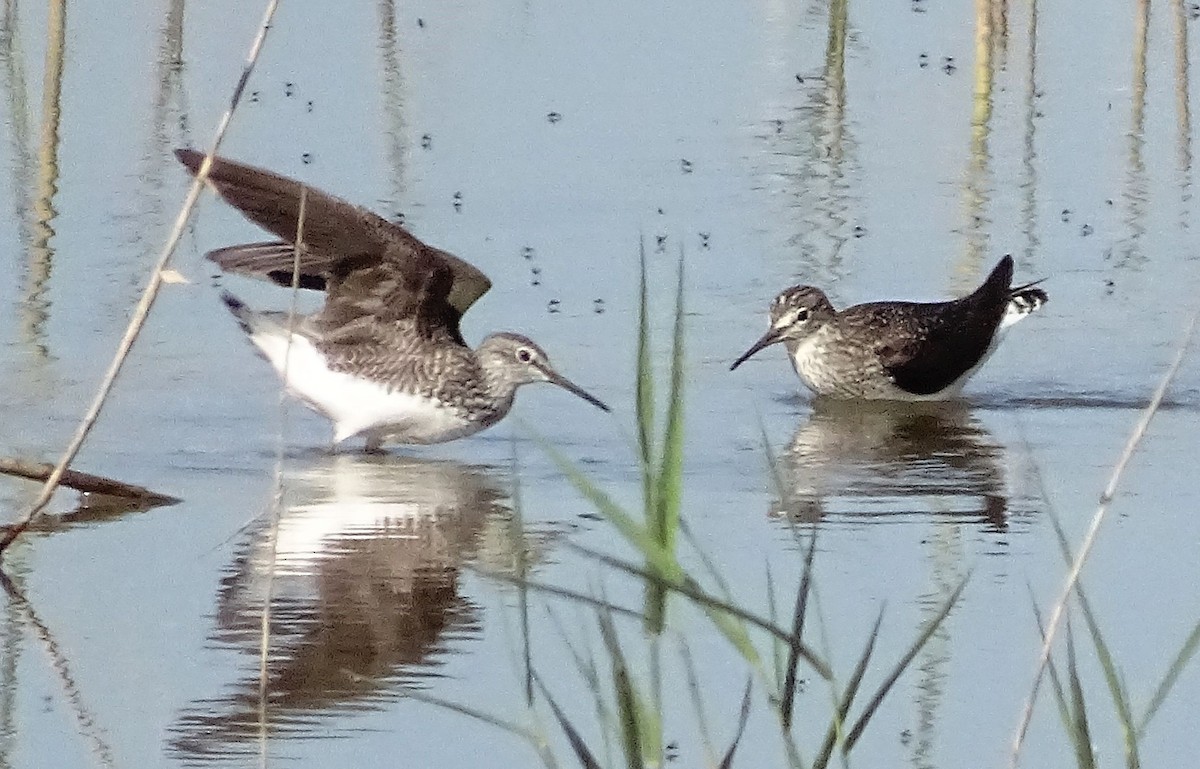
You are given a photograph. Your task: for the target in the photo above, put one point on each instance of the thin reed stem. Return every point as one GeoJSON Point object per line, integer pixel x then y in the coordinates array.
{"type": "Point", "coordinates": [149, 294]}
{"type": "Point", "coordinates": [1110, 490]}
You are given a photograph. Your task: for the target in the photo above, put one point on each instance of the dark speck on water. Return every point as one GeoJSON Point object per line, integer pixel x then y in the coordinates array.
{"type": "Point", "coordinates": [923, 60]}
{"type": "Point", "coordinates": [426, 141]}
{"type": "Point", "coordinates": [660, 243]}
{"type": "Point", "coordinates": [948, 65]}
{"type": "Point", "coordinates": [527, 252]}
{"type": "Point", "coordinates": [458, 198]}
{"type": "Point", "coordinates": [553, 117]}
{"type": "Point", "coordinates": [306, 158]}
{"type": "Point", "coordinates": [254, 97]}
{"type": "Point", "coordinates": [685, 165]}
{"type": "Point", "coordinates": [553, 306]}
{"type": "Point", "coordinates": [598, 306]}
{"type": "Point", "coordinates": [1066, 214]}
{"type": "Point", "coordinates": [859, 231]}
{"type": "Point", "coordinates": [288, 89]}
{"type": "Point", "coordinates": [310, 105]}
{"type": "Point", "coordinates": [1085, 230]}
{"type": "Point", "coordinates": [420, 22]}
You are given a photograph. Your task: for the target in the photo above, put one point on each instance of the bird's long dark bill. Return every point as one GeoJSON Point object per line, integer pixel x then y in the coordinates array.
{"type": "Point", "coordinates": [556, 378]}
{"type": "Point", "coordinates": [767, 339]}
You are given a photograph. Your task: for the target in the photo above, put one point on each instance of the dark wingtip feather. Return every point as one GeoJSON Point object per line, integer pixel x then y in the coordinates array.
{"type": "Point", "coordinates": [190, 158]}
{"type": "Point", "coordinates": [238, 308]}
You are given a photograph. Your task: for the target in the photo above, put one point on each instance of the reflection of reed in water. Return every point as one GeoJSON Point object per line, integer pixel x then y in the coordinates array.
{"type": "Point", "coordinates": [365, 593]}
{"type": "Point", "coordinates": [880, 460]}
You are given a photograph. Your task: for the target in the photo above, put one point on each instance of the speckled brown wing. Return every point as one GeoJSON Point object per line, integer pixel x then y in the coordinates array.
{"type": "Point", "coordinates": [368, 267]}
{"type": "Point", "coordinates": [926, 347]}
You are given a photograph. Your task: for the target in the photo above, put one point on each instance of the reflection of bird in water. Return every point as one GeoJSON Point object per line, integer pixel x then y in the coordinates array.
{"type": "Point", "coordinates": [364, 591]}
{"type": "Point", "coordinates": [883, 459]}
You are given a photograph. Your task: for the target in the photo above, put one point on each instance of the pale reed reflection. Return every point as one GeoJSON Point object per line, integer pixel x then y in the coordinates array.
{"type": "Point", "coordinates": [365, 594]}
{"type": "Point", "coordinates": [153, 209]}
{"type": "Point", "coordinates": [977, 182]}
{"type": "Point", "coordinates": [396, 134]}
{"type": "Point", "coordinates": [22, 617]}
{"type": "Point", "coordinates": [1029, 184]}
{"type": "Point", "coordinates": [35, 308]}
{"type": "Point", "coordinates": [886, 461]}
{"type": "Point", "coordinates": [1136, 192]}
{"type": "Point", "coordinates": [947, 568]}
{"type": "Point", "coordinates": [1183, 107]}
{"type": "Point", "coordinates": [20, 118]}
{"type": "Point", "coordinates": [810, 159]}
{"type": "Point", "coordinates": [831, 143]}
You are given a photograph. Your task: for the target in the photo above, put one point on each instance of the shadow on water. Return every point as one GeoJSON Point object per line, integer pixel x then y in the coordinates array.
{"type": "Point", "coordinates": [880, 461]}
{"type": "Point", "coordinates": [365, 594]}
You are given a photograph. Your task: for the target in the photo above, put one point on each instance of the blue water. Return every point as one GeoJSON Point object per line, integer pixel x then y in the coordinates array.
{"type": "Point", "coordinates": [876, 152]}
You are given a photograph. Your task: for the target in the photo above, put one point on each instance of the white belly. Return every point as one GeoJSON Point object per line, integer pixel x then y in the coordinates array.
{"type": "Point", "coordinates": [357, 405]}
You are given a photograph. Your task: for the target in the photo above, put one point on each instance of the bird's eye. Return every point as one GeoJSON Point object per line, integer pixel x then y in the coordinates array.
{"type": "Point", "coordinates": [524, 355]}
{"type": "Point", "coordinates": [801, 315]}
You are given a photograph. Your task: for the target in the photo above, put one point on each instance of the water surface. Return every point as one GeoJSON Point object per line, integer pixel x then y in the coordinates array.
{"type": "Point", "coordinates": [878, 152]}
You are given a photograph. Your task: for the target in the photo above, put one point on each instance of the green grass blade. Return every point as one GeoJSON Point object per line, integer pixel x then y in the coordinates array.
{"type": "Point", "coordinates": [1080, 733]}
{"type": "Point", "coordinates": [670, 474]}
{"type": "Point", "coordinates": [693, 683]}
{"type": "Point", "coordinates": [777, 662]}
{"type": "Point", "coordinates": [838, 721]}
{"type": "Point", "coordinates": [586, 759]}
{"type": "Point", "coordinates": [560, 592]}
{"type": "Point", "coordinates": [743, 716]}
{"type": "Point", "coordinates": [629, 713]}
{"type": "Point", "coordinates": [475, 713]}
{"type": "Point", "coordinates": [711, 569]}
{"type": "Point", "coordinates": [923, 637]}
{"type": "Point", "coordinates": [716, 608]}
{"type": "Point", "coordinates": [1112, 677]}
{"type": "Point", "coordinates": [521, 572]}
{"type": "Point", "coordinates": [644, 386]}
{"type": "Point", "coordinates": [788, 696]}
{"type": "Point", "coordinates": [1186, 652]}
{"type": "Point", "coordinates": [1060, 697]}
{"type": "Point", "coordinates": [668, 482]}
{"type": "Point", "coordinates": [585, 663]}
{"type": "Point", "coordinates": [777, 479]}
{"type": "Point", "coordinates": [634, 532]}
{"type": "Point", "coordinates": [795, 760]}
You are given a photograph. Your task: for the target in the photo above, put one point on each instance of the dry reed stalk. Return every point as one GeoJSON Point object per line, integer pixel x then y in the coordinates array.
{"type": "Point", "coordinates": [84, 482]}
{"type": "Point", "coordinates": [1135, 439]}
{"type": "Point", "coordinates": [264, 627]}
{"type": "Point", "coordinates": [149, 294]}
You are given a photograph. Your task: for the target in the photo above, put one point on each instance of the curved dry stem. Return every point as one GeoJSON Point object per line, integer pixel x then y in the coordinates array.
{"type": "Point", "coordinates": [1135, 439]}
{"type": "Point", "coordinates": [149, 294]}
